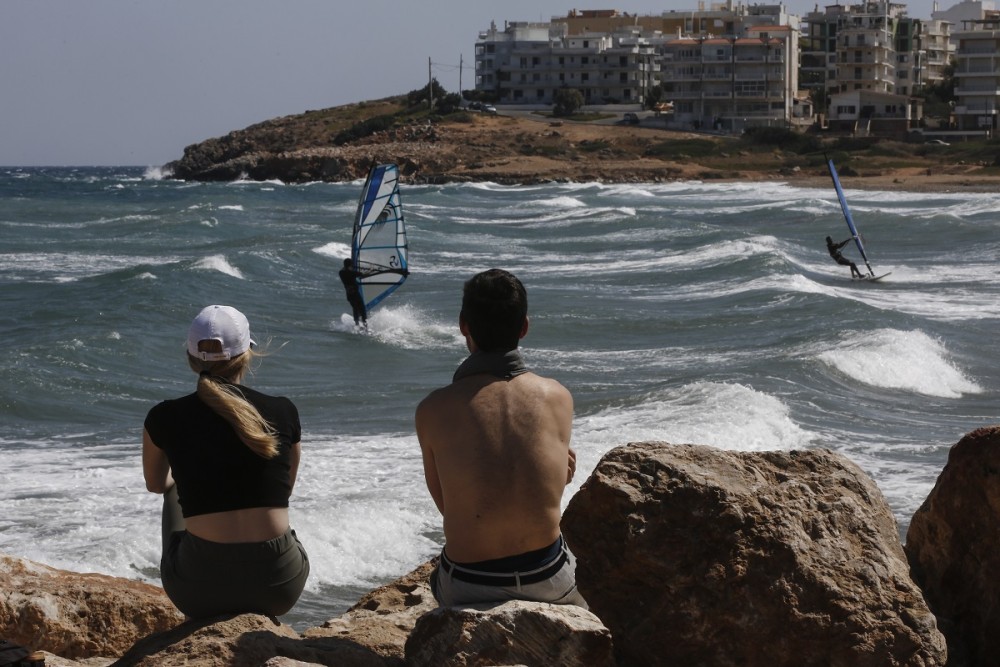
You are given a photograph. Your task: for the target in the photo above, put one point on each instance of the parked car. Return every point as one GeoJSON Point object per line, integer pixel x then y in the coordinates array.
{"type": "Point", "coordinates": [489, 108]}
{"type": "Point", "coordinates": [630, 118]}
{"type": "Point", "coordinates": [938, 142]}
{"type": "Point", "coordinates": [475, 106]}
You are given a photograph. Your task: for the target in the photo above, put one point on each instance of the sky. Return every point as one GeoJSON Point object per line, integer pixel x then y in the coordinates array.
{"type": "Point", "coordinates": [132, 82]}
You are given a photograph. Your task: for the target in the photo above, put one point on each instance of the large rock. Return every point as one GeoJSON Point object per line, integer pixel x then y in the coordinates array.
{"type": "Point", "coordinates": [245, 639]}
{"type": "Point", "coordinates": [513, 633]}
{"type": "Point", "coordinates": [696, 556]}
{"type": "Point", "coordinates": [78, 615]}
{"type": "Point", "coordinates": [952, 544]}
{"type": "Point", "coordinates": [382, 620]}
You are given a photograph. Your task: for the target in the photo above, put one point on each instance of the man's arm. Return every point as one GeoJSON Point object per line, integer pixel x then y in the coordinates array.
{"type": "Point", "coordinates": [422, 420]}
{"type": "Point", "coordinates": [843, 243]}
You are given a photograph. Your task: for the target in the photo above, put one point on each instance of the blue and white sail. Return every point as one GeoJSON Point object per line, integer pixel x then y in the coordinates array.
{"type": "Point", "coordinates": [847, 215]}
{"type": "Point", "coordinates": [378, 244]}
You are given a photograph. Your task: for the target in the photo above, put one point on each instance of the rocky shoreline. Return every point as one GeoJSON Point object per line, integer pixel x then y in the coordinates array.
{"type": "Point", "coordinates": [687, 554]}
{"type": "Point", "coordinates": [528, 149]}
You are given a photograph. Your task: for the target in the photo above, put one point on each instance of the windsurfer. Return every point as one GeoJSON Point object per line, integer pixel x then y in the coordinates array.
{"type": "Point", "coordinates": [834, 250]}
{"type": "Point", "coordinates": [349, 276]}
{"type": "Point", "coordinates": [499, 431]}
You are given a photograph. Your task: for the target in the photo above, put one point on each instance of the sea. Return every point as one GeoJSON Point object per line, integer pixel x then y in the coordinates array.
{"type": "Point", "coordinates": [682, 312]}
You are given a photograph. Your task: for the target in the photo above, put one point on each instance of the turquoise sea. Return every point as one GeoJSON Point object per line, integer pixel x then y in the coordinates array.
{"type": "Point", "coordinates": [685, 312]}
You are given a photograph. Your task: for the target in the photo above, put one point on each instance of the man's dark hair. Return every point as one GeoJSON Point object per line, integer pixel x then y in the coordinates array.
{"type": "Point", "coordinates": [494, 307]}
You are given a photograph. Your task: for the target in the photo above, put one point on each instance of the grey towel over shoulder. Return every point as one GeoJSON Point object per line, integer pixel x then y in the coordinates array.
{"type": "Point", "coordinates": [502, 365]}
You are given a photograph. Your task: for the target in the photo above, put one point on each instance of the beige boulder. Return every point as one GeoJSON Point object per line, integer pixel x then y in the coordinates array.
{"type": "Point", "coordinates": [693, 555]}
{"type": "Point", "coordinates": [512, 633]}
{"type": "Point", "coordinates": [952, 544]}
{"type": "Point", "coordinates": [76, 615]}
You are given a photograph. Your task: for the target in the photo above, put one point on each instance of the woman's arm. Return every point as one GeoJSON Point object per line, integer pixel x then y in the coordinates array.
{"type": "Point", "coordinates": [155, 467]}
{"type": "Point", "coordinates": [294, 455]}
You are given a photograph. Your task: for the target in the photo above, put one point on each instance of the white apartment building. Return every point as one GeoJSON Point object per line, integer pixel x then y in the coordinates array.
{"type": "Point", "coordinates": [526, 63]}
{"type": "Point", "coordinates": [873, 46]}
{"type": "Point", "coordinates": [732, 83]}
{"type": "Point", "coordinates": [977, 74]}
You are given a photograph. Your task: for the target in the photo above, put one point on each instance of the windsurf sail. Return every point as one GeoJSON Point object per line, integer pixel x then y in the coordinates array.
{"type": "Point", "coordinates": [378, 243]}
{"type": "Point", "coordinates": [847, 215]}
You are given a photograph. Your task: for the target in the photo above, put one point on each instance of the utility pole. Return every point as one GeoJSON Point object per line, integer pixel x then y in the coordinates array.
{"type": "Point", "coordinates": [460, 75]}
{"type": "Point", "coordinates": [430, 84]}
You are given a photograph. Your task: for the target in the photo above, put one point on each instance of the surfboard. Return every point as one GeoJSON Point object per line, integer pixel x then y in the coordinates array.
{"type": "Point", "coordinates": [850, 223]}
{"type": "Point", "coordinates": [378, 242]}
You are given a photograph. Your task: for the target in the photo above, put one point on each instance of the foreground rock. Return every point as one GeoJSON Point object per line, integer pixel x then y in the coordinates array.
{"type": "Point", "coordinates": [514, 633]}
{"type": "Point", "coordinates": [78, 615]}
{"type": "Point", "coordinates": [247, 639]}
{"type": "Point", "coordinates": [382, 620]}
{"type": "Point", "coordinates": [688, 555]}
{"type": "Point", "coordinates": [697, 556]}
{"type": "Point", "coordinates": [952, 546]}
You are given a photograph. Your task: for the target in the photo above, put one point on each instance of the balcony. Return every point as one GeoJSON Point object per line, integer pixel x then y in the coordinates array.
{"type": "Point", "coordinates": [992, 91]}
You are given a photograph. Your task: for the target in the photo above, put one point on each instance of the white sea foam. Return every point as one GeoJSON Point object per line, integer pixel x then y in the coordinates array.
{"type": "Point", "coordinates": [218, 263]}
{"type": "Point", "coordinates": [404, 327]}
{"type": "Point", "coordinates": [334, 249]}
{"type": "Point", "coordinates": [231, 207]}
{"type": "Point", "coordinates": [157, 173]}
{"type": "Point", "coordinates": [728, 416]}
{"type": "Point", "coordinates": [905, 360]}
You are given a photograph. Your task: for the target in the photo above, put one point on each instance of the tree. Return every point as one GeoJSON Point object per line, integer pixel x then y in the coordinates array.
{"type": "Point", "coordinates": [447, 103]}
{"type": "Point", "coordinates": [654, 96]}
{"type": "Point", "coordinates": [940, 97]}
{"type": "Point", "coordinates": [420, 96]}
{"type": "Point", "coordinates": [566, 102]}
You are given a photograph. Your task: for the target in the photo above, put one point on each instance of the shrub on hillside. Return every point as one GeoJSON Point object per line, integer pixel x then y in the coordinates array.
{"type": "Point", "coordinates": [363, 129]}
{"type": "Point", "coordinates": [683, 148]}
{"type": "Point", "coordinates": [789, 140]}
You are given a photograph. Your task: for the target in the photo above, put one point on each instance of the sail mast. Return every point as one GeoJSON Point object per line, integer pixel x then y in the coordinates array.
{"type": "Point", "coordinates": [847, 215]}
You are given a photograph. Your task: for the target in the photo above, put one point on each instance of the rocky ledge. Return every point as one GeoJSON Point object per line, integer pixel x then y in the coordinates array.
{"type": "Point", "coordinates": [687, 555]}
{"type": "Point", "coordinates": [527, 148]}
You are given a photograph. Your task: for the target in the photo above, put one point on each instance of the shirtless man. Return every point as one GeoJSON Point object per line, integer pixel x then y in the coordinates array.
{"type": "Point", "coordinates": [495, 445]}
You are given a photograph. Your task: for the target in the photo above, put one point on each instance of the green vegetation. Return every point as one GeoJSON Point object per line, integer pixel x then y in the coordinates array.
{"type": "Point", "coordinates": [679, 149]}
{"type": "Point", "coordinates": [566, 102]}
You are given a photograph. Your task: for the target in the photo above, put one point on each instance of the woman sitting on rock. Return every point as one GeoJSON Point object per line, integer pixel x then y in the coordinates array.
{"type": "Point", "coordinates": [225, 458]}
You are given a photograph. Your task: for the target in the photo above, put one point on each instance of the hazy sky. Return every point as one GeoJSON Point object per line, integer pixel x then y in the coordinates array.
{"type": "Point", "coordinates": [132, 82]}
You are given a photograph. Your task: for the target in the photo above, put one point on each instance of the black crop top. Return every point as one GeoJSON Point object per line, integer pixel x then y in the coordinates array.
{"type": "Point", "coordinates": [213, 469]}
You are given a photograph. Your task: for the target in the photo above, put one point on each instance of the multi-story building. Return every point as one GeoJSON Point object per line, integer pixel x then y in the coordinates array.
{"type": "Point", "coordinates": [872, 46]}
{"type": "Point", "coordinates": [526, 63]}
{"type": "Point", "coordinates": [868, 63]}
{"type": "Point", "coordinates": [730, 82]}
{"type": "Point", "coordinates": [613, 57]}
{"type": "Point", "coordinates": [977, 74]}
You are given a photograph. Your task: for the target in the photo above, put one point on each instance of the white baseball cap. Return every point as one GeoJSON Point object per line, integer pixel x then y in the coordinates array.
{"type": "Point", "coordinates": [224, 324]}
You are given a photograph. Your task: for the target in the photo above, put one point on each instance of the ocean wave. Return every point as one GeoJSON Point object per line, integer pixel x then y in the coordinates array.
{"type": "Point", "coordinates": [218, 263]}
{"type": "Point", "coordinates": [904, 360]}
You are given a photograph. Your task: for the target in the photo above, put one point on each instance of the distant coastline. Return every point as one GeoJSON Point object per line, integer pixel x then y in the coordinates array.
{"type": "Point", "coordinates": [527, 148]}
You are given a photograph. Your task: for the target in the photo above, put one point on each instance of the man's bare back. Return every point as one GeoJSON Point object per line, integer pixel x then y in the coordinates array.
{"type": "Point", "coordinates": [497, 459]}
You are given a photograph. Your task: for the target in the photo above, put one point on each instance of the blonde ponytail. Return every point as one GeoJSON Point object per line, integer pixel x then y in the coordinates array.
{"type": "Point", "coordinates": [215, 390]}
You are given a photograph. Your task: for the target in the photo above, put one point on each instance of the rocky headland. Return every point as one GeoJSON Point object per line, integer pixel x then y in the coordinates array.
{"type": "Point", "coordinates": [687, 555]}
{"type": "Point", "coordinates": [514, 147]}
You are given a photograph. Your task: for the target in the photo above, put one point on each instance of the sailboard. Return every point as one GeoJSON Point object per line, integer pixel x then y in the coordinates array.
{"type": "Point", "coordinates": [378, 242]}
{"type": "Point", "coordinates": [850, 222]}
